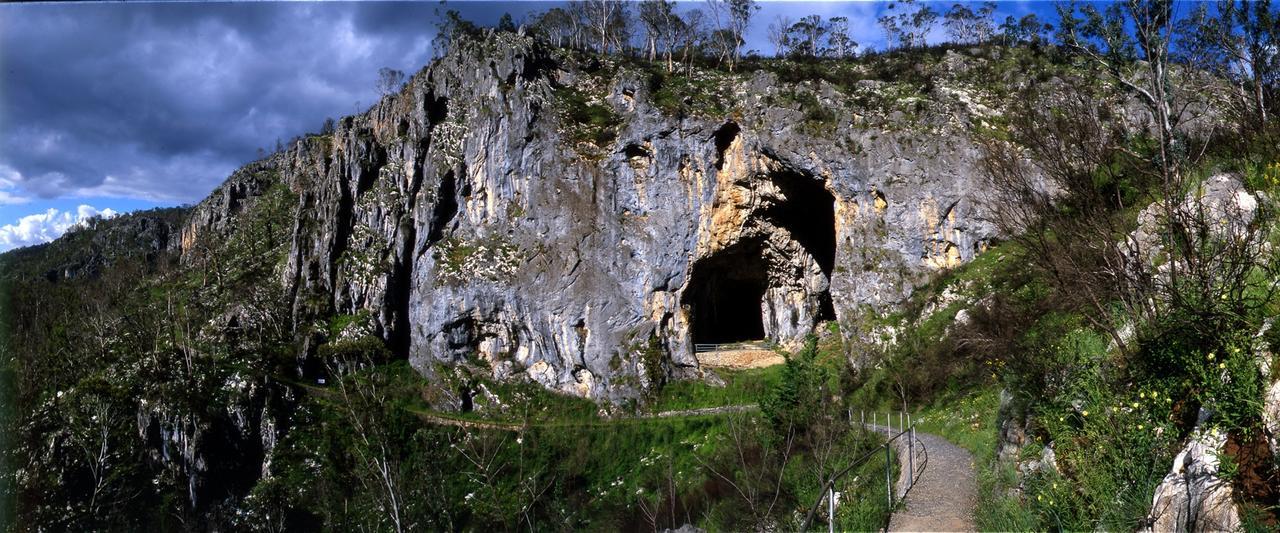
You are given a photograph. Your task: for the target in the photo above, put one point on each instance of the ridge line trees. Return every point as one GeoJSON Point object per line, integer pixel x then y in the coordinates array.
{"type": "Point", "coordinates": [905, 27]}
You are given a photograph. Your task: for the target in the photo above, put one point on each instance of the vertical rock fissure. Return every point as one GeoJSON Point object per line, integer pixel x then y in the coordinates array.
{"type": "Point", "coordinates": [445, 209]}
{"type": "Point", "coordinates": [725, 137]}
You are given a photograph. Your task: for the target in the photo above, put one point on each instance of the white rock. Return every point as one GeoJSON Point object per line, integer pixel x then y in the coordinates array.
{"type": "Point", "coordinates": [1192, 497]}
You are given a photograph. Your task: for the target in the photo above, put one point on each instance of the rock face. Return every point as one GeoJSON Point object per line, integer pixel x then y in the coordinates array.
{"type": "Point", "coordinates": [468, 221]}
{"type": "Point", "coordinates": [1192, 496]}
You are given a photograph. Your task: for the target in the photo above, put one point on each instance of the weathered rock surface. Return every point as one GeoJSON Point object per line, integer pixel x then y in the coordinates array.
{"type": "Point", "coordinates": [468, 223]}
{"type": "Point", "coordinates": [1193, 496]}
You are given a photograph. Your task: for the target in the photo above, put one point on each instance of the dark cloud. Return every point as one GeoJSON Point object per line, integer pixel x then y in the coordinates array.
{"type": "Point", "coordinates": [162, 101]}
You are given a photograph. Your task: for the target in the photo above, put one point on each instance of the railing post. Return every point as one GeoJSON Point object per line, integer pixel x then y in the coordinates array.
{"type": "Point", "coordinates": [888, 475]}
{"type": "Point", "coordinates": [911, 454]}
{"type": "Point", "coordinates": [831, 509]}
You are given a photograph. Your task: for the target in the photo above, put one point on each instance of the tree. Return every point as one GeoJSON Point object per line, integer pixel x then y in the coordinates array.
{"type": "Point", "coordinates": [556, 26]}
{"type": "Point", "coordinates": [692, 36]}
{"type": "Point", "coordinates": [841, 44]}
{"type": "Point", "coordinates": [959, 23]}
{"type": "Point", "coordinates": [908, 26]}
{"type": "Point", "coordinates": [1241, 43]}
{"type": "Point", "coordinates": [389, 80]}
{"type": "Point", "coordinates": [365, 402]}
{"type": "Point", "coordinates": [657, 17]}
{"type": "Point", "coordinates": [328, 127]}
{"type": "Point", "coordinates": [506, 24]}
{"type": "Point", "coordinates": [607, 21]}
{"type": "Point", "coordinates": [1028, 29]}
{"type": "Point", "coordinates": [673, 25]}
{"type": "Point", "coordinates": [778, 35]}
{"type": "Point", "coordinates": [1138, 62]}
{"type": "Point", "coordinates": [732, 18]}
{"type": "Point", "coordinates": [967, 26]}
{"type": "Point", "coordinates": [806, 36]}
{"type": "Point", "coordinates": [450, 26]}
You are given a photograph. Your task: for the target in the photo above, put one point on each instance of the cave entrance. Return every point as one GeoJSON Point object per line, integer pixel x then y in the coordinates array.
{"type": "Point", "coordinates": [746, 291]}
{"type": "Point", "coordinates": [726, 296]}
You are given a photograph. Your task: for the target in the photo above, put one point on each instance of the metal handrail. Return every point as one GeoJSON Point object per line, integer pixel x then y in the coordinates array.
{"type": "Point", "coordinates": [704, 348]}
{"type": "Point", "coordinates": [913, 472]}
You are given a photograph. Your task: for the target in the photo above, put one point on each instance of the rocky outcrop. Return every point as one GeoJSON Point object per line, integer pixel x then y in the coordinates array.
{"type": "Point", "coordinates": [474, 221]}
{"type": "Point", "coordinates": [1193, 496]}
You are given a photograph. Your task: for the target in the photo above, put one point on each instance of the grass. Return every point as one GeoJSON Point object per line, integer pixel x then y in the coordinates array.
{"type": "Point", "coordinates": [968, 421]}
{"type": "Point", "coordinates": [741, 387]}
{"type": "Point", "coordinates": [587, 121]}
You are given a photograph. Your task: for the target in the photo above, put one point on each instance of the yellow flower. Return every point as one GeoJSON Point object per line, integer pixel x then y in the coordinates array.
{"type": "Point", "coordinates": [1060, 419]}
{"type": "Point", "coordinates": [1039, 498]}
{"type": "Point", "coordinates": [1055, 485]}
{"type": "Point", "coordinates": [1222, 365]}
{"type": "Point", "coordinates": [1154, 394]}
{"type": "Point", "coordinates": [1142, 395]}
{"type": "Point", "coordinates": [1212, 356]}
{"type": "Point", "coordinates": [1140, 427]}
{"type": "Point", "coordinates": [1135, 405]}
{"type": "Point", "coordinates": [1084, 413]}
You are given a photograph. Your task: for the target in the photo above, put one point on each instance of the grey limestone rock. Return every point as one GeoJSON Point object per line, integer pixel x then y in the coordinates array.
{"type": "Point", "coordinates": [475, 222]}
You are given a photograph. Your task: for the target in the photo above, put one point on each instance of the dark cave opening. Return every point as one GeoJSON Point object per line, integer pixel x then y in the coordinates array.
{"type": "Point", "coordinates": [726, 293]}
{"type": "Point", "coordinates": [808, 213]}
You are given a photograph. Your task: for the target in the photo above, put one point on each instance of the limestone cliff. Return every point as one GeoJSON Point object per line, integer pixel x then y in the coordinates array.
{"type": "Point", "coordinates": [475, 215]}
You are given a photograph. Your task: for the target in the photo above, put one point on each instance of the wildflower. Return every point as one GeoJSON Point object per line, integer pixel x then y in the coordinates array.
{"type": "Point", "coordinates": [1060, 419]}
{"type": "Point", "coordinates": [1084, 413]}
{"type": "Point", "coordinates": [1140, 427]}
{"type": "Point", "coordinates": [1212, 356]}
{"type": "Point", "coordinates": [1039, 498]}
{"type": "Point", "coordinates": [1154, 394]}
{"type": "Point", "coordinates": [1142, 395]}
{"type": "Point", "coordinates": [1135, 405]}
{"type": "Point", "coordinates": [1222, 366]}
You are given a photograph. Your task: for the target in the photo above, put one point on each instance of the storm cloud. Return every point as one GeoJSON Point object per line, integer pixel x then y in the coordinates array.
{"type": "Point", "coordinates": [162, 101]}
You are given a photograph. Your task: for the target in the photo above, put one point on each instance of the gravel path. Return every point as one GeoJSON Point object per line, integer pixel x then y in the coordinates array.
{"type": "Point", "coordinates": [946, 492]}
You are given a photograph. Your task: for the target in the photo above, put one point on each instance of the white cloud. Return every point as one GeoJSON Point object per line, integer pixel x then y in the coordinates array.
{"type": "Point", "coordinates": [9, 179]}
{"type": "Point", "coordinates": [46, 226]}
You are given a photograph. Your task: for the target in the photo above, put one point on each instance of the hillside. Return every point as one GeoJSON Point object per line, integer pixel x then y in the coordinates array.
{"type": "Point", "coordinates": [484, 289]}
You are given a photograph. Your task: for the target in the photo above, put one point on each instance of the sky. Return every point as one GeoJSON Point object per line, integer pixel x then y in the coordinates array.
{"type": "Point", "coordinates": [107, 108]}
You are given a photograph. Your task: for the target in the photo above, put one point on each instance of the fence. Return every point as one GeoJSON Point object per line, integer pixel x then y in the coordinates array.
{"type": "Point", "coordinates": [916, 454]}
{"type": "Point", "coordinates": [748, 345]}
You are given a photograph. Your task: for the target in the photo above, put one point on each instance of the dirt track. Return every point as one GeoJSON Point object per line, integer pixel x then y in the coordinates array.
{"type": "Point", "coordinates": [746, 358]}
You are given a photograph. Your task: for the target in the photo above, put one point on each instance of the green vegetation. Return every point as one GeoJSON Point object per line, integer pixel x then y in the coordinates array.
{"type": "Point", "coordinates": [8, 419]}
{"type": "Point", "coordinates": [740, 387]}
{"type": "Point", "coordinates": [586, 120]}
{"type": "Point", "coordinates": [555, 462]}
